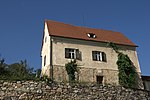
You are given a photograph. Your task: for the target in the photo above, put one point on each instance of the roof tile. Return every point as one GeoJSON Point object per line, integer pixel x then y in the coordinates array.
{"type": "Point", "coordinates": [78, 32]}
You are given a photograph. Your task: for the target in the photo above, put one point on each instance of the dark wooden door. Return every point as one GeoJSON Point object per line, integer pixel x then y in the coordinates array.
{"type": "Point", "coordinates": [99, 79]}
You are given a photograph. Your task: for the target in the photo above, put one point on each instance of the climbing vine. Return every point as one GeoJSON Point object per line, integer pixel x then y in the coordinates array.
{"type": "Point", "coordinates": [127, 72]}
{"type": "Point", "coordinates": [71, 68]}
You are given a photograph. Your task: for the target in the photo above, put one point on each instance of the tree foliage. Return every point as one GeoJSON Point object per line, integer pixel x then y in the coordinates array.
{"type": "Point", "coordinates": [21, 71]}
{"type": "Point", "coordinates": [38, 73]}
{"type": "Point", "coordinates": [16, 71]}
{"type": "Point", "coordinates": [2, 66]}
{"type": "Point", "coordinates": [127, 72]}
{"type": "Point", "coordinates": [71, 68]}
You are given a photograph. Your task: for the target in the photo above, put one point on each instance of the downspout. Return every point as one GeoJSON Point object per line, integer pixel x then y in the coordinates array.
{"type": "Point", "coordinates": [51, 59]}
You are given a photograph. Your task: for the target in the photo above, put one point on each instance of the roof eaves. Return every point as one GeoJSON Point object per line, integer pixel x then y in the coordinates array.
{"type": "Point", "coordinates": [94, 40]}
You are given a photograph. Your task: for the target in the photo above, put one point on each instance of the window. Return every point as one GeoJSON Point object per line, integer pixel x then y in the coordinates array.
{"type": "Point", "coordinates": [99, 56]}
{"type": "Point", "coordinates": [45, 39]}
{"type": "Point", "coordinates": [44, 60]}
{"type": "Point", "coordinates": [72, 53]}
{"type": "Point", "coordinates": [91, 35]}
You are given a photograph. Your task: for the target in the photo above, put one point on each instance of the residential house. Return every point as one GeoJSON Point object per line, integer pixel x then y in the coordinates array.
{"type": "Point", "coordinates": [146, 82]}
{"type": "Point", "coordinates": [96, 61]}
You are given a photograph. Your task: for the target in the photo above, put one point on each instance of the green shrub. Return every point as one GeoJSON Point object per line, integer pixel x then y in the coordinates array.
{"type": "Point", "coordinates": [71, 68]}
{"type": "Point", "coordinates": [128, 76]}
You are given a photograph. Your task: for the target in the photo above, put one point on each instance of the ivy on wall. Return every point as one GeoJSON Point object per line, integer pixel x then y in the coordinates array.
{"type": "Point", "coordinates": [71, 68]}
{"type": "Point", "coordinates": [128, 76]}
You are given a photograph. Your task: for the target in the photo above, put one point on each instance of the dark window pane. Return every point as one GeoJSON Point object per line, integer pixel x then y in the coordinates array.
{"type": "Point", "coordinates": [73, 56]}
{"type": "Point", "coordinates": [44, 60]}
{"type": "Point", "coordinates": [69, 55]}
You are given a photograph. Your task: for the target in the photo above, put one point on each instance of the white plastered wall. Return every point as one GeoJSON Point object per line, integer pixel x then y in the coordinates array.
{"type": "Point", "coordinates": [46, 51]}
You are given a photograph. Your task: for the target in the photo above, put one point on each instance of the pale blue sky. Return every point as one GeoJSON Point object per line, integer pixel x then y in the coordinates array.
{"type": "Point", "coordinates": [22, 22]}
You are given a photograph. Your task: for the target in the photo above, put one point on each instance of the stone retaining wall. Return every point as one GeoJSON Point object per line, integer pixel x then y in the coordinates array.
{"type": "Point", "coordinates": [29, 90]}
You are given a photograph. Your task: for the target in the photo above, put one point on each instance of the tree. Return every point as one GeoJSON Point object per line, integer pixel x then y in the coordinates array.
{"type": "Point", "coordinates": [21, 71]}
{"type": "Point", "coordinates": [3, 69]}
{"type": "Point", "coordinates": [2, 66]}
{"type": "Point", "coordinates": [16, 71]}
{"type": "Point", "coordinates": [38, 73]}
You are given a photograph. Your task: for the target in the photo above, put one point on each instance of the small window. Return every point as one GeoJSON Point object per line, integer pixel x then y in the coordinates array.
{"type": "Point", "coordinates": [91, 35]}
{"type": "Point", "coordinates": [99, 56]}
{"type": "Point", "coordinates": [45, 39]}
{"type": "Point", "coordinates": [72, 53]}
{"type": "Point", "coordinates": [44, 60]}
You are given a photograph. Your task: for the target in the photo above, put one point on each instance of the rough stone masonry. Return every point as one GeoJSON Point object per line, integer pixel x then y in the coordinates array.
{"type": "Point", "coordinates": [30, 90]}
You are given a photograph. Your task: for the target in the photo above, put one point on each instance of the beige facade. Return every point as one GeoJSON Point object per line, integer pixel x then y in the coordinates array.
{"type": "Point", "coordinates": [89, 70]}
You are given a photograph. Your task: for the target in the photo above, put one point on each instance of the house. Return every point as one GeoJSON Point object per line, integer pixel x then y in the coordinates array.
{"type": "Point", "coordinates": [96, 61]}
{"type": "Point", "coordinates": [146, 82]}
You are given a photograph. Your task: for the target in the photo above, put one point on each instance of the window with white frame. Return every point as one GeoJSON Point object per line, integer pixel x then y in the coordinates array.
{"type": "Point", "coordinates": [71, 53]}
{"type": "Point", "coordinates": [99, 56]}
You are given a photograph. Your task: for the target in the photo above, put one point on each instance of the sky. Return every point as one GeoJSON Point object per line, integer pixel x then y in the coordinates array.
{"type": "Point", "coordinates": [22, 23]}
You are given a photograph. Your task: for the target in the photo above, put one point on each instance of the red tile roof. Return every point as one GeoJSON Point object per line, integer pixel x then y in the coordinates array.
{"type": "Point", "coordinates": [77, 32]}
